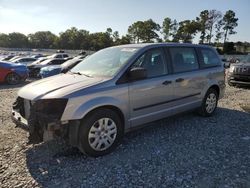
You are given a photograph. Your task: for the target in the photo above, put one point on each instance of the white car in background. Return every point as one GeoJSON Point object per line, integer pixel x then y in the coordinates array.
{"type": "Point", "coordinates": [24, 60]}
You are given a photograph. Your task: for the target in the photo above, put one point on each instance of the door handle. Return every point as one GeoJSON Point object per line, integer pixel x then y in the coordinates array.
{"type": "Point", "coordinates": [167, 82]}
{"type": "Point", "coordinates": [179, 80]}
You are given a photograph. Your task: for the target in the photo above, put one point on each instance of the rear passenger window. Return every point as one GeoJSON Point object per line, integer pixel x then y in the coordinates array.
{"type": "Point", "coordinates": [209, 58]}
{"type": "Point", "coordinates": [183, 59]}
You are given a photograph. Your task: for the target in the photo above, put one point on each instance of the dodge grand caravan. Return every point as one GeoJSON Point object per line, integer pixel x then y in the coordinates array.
{"type": "Point", "coordinates": [117, 89]}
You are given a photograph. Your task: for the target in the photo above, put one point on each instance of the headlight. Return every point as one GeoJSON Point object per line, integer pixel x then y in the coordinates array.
{"type": "Point", "coordinates": [232, 69]}
{"type": "Point", "coordinates": [51, 106]}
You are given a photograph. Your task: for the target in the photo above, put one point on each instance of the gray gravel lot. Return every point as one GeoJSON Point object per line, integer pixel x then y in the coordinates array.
{"type": "Point", "coordinates": [181, 151]}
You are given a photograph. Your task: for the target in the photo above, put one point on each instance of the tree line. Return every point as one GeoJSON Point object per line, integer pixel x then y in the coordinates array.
{"type": "Point", "coordinates": [212, 25]}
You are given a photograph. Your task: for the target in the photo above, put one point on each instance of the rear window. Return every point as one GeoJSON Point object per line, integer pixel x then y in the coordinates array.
{"type": "Point", "coordinates": [209, 58]}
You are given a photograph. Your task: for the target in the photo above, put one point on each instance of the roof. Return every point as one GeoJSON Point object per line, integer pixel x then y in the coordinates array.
{"type": "Point", "coordinates": [141, 45]}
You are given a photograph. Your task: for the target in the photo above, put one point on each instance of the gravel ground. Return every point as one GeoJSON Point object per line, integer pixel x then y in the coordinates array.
{"type": "Point", "coordinates": [181, 151]}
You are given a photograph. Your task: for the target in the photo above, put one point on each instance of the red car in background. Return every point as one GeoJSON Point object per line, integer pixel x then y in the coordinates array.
{"type": "Point", "coordinates": [12, 73]}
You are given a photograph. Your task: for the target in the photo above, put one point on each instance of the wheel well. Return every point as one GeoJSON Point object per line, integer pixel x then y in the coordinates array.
{"type": "Point", "coordinates": [114, 108]}
{"type": "Point", "coordinates": [216, 89]}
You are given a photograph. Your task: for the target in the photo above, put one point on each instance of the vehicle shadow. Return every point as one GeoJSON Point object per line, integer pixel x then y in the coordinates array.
{"type": "Point", "coordinates": [177, 151]}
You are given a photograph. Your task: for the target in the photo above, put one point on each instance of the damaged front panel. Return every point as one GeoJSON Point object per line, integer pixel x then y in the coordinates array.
{"type": "Point", "coordinates": [42, 117]}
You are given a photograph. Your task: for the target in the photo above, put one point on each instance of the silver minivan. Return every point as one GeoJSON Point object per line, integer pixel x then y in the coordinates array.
{"type": "Point", "coordinates": [117, 89]}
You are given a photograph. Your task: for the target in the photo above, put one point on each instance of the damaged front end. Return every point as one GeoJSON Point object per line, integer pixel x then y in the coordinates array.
{"type": "Point", "coordinates": [42, 118]}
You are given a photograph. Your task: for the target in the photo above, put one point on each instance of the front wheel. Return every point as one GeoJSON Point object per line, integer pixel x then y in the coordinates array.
{"type": "Point", "coordinates": [12, 78]}
{"type": "Point", "coordinates": [209, 103]}
{"type": "Point", "coordinates": [100, 132]}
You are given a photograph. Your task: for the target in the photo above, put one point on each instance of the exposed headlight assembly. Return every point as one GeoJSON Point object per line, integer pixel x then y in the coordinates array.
{"type": "Point", "coordinates": [231, 69]}
{"type": "Point", "coordinates": [53, 107]}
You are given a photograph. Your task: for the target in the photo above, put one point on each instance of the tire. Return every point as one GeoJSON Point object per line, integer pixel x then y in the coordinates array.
{"type": "Point", "coordinates": [209, 103]}
{"type": "Point", "coordinates": [12, 79]}
{"type": "Point", "coordinates": [100, 132]}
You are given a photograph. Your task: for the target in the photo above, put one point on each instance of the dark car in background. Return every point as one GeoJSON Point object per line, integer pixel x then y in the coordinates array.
{"type": "Point", "coordinates": [239, 73]}
{"type": "Point", "coordinates": [12, 73]}
{"type": "Point", "coordinates": [7, 58]}
{"type": "Point", "coordinates": [57, 69]}
{"type": "Point", "coordinates": [34, 69]}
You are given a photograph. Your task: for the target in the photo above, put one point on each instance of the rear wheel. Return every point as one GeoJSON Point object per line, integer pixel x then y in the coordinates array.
{"type": "Point", "coordinates": [12, 78]}
{"type": "Point", "coordinates": [209, 103]}
{"type": "Point", "coordinates": [100, 132]}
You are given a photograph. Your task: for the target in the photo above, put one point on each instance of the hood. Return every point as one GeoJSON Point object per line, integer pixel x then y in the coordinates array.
{"type": "Point", "coordinates": [57, 86]}
{"type": "Point", "coordinates": [242, 64]}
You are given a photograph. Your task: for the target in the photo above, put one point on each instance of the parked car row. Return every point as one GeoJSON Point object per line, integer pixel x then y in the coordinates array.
{"type": "Point", "coordinates": [35, 66]}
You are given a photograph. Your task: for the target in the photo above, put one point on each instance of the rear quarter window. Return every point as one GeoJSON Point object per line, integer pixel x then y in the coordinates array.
{"type": "Point", "coordinates": [183, 59]}
{"type": "Point", "coordinates": [209, 58]}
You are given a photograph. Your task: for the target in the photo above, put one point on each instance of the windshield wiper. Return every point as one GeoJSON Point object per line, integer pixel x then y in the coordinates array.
{"type": "Point", "coordinates": [79, 73]}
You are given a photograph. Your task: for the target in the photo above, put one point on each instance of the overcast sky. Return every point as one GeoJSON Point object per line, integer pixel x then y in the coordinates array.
{"type": "Point", "coordinates": [29, 16]}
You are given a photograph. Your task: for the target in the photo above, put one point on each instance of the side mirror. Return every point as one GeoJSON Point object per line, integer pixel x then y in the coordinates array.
{"type": "Point", "coordinates": [137, 73]}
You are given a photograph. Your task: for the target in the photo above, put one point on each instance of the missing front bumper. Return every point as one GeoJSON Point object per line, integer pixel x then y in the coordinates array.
{"type": "Point", "coordinates": [41, 127]}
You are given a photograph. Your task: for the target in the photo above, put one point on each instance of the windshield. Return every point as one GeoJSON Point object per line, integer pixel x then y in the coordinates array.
{"type": "Point", "coordinates": [105, 62]}
{"type": "Point", "coordinates": [246, 59]}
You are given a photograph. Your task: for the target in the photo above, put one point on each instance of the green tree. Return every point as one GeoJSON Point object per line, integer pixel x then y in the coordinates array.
{"type": "Point", "coordinates": [218, 31]}
{"type": "Point", "coordinates": [202, 20]}
{"type": "Point", "coordinates": [135, 31]}
{"type": "Point", "coordinates": [150, 31]}
{"type": "Point", "coordinates": [100, 40]}
{"type": "Point", "coordinates": [173, 31]}
{"type": "Point", "coordinates": [187, 30]}
{"type": "Point", "coordinates": [73, 39]}
{"type": "Point", "coordinates": [229, 24]}
{"type": "Point", "coordinates": [214, 17]}
{"type": "Point", "coordinates": [4, 40]}
{"type": "Point", "coordinates": [166, 28]}
{"type": "Point", "coordinates": [229, 48]}
{"type": "Point", "coordinates": [42, 39]}
{"type": "Point", "coordinates": [144, 31]}
{"type": "Point", "coordinates": [18, 40]}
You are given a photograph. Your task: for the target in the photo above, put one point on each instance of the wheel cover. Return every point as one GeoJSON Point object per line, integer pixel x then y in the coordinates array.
{"type": "Point", "coordinates": [12, 78]}
{"type": "Point", "coordinates": [211, 102]}
{"type": "Point", "coordinates": [102, 134]}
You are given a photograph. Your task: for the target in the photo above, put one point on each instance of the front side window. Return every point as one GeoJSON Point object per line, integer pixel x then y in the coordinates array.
{"type": "Point", "coordinates": [106, 62]}
{"type": "Point", "coordinates": [153, 62]}
{"type": "Point", "coordinates": [209, 58]}
{"type": "Point", "coordinates": [183, 59]}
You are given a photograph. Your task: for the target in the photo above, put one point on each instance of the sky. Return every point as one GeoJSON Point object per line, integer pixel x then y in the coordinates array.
{"type": "Point", "coordinates": [29, 16]}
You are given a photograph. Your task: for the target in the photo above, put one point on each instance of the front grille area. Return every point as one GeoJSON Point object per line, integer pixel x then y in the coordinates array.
{"type": "Point", "coordinates": [18, 106]}
{"type": "Point", "coordinates": [242, 70]}
{"type": "Point", "coordinates": [22, 106]}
